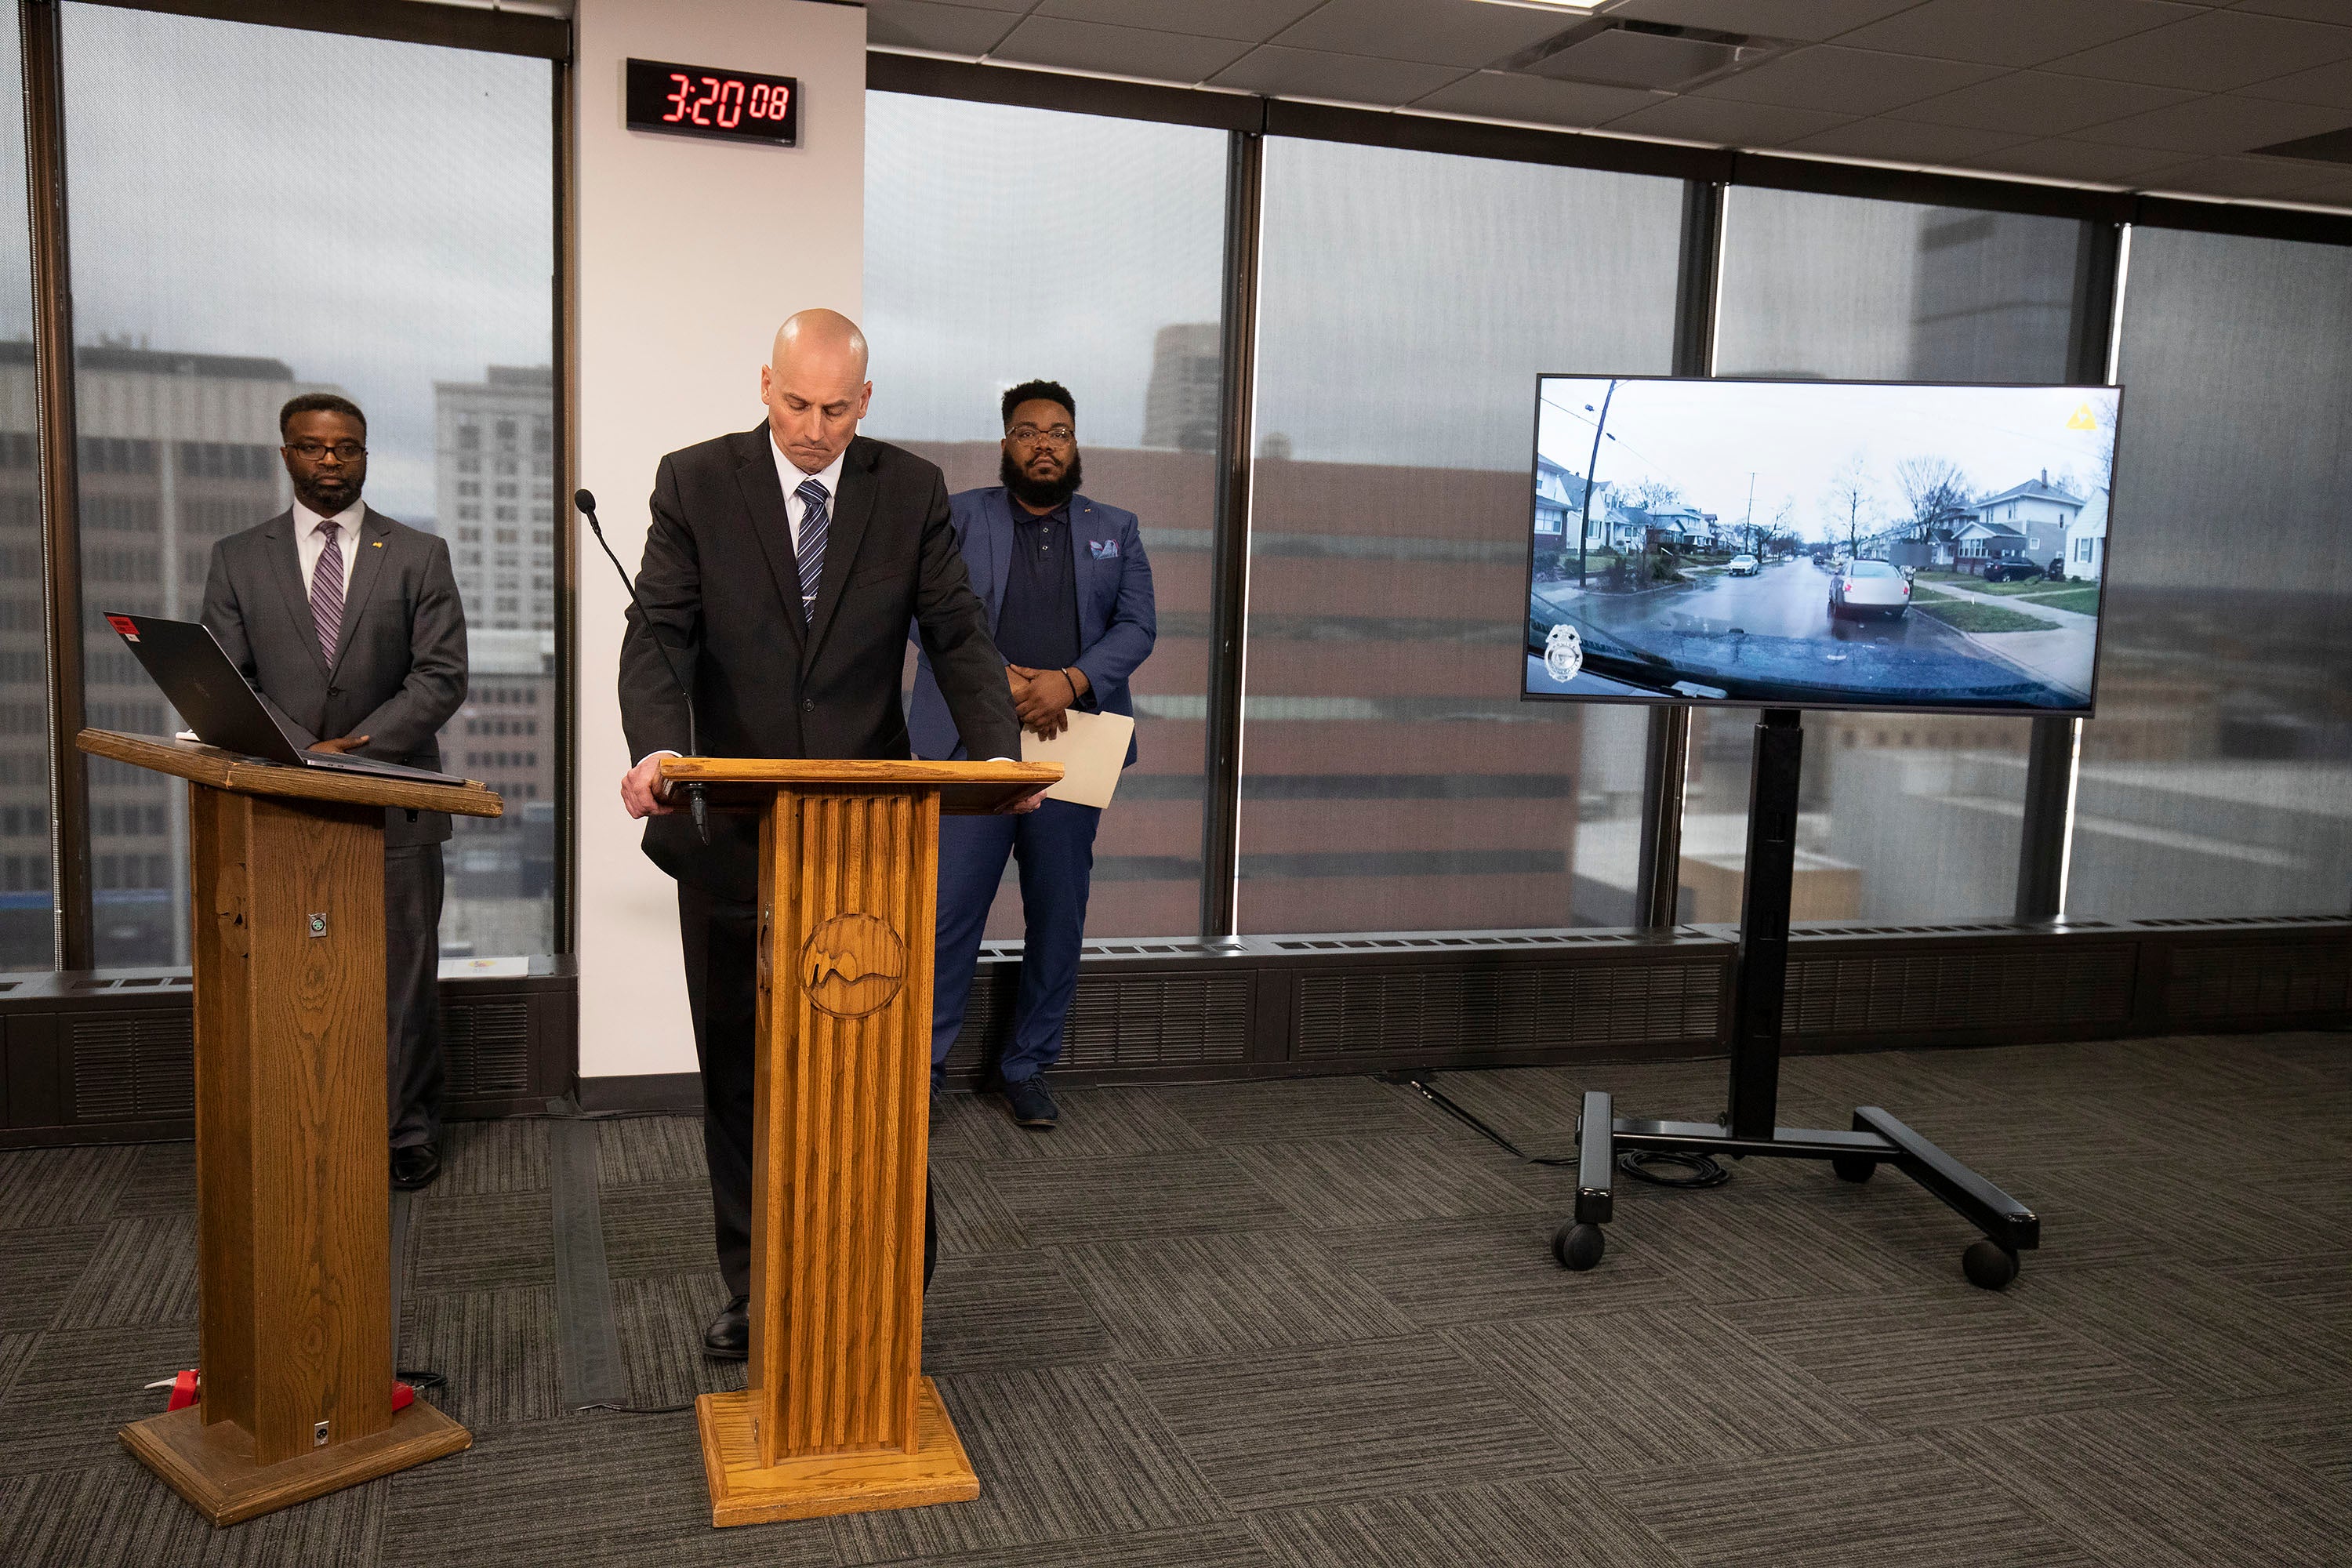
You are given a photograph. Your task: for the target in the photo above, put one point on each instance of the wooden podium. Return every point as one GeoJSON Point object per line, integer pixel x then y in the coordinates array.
{"type": "Point", "coordinates": [837, 1417]}
{"type": "Point", "coordinates": [293, 1198]}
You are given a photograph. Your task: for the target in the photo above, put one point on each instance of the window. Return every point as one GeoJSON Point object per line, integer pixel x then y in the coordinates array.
{"type": "Point", "coordinates": [1904, 816]}
{"type": "Point", "coordinates": [952, 190]}
{"type": "Point", "coordinates": [2217, 779]}
{"type": "Point", "coordinates": [1392, 778]}
{"type": "Point", "coordinates": [199, 289]}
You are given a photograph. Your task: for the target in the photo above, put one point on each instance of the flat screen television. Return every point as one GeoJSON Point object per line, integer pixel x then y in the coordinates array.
{"type": "Point", "coordinates": [1784, 543]}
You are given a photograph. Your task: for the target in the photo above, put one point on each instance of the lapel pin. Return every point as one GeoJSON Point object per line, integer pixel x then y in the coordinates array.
{"type": "Point", "coordinates": [377, 543]}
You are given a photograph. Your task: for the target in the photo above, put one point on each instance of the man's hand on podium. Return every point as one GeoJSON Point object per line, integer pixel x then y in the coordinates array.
{"type": "Point", "coordinates": [644, 790]}
{"type": "Point", "coordinates": [347, 743]}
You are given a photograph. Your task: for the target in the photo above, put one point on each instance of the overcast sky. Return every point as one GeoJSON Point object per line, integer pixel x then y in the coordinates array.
{"type": "Point", "coordinates": [377, 215]}
{"type": "Point", "coordinates": [1705, 437]}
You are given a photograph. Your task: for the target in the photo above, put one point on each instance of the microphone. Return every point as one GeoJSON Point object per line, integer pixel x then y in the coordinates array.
{"type": "Point", "coordinates": [586, 501]}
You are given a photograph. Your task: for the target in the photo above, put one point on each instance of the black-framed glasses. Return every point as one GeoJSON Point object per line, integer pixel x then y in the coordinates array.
{"type": "Point", "coordinates": [1051, 435]}
{"type": "Point", "coordinates": [311, 451]}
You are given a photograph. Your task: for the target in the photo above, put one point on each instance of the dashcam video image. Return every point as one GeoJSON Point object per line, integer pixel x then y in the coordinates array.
{"type": "Point", "coordinates": [1805, 543]}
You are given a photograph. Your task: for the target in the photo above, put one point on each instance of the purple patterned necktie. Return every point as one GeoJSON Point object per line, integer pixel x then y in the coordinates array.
{"type": "Point", "coordinates": [327, 591]}
{"type": "Point", "coordinates": [812, 546]}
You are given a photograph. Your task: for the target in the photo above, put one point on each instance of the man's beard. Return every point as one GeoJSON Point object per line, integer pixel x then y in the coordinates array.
{"type": "Point", "coordinates": [1049, 494]}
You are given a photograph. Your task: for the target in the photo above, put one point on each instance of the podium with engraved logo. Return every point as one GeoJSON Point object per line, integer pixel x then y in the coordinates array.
{"type": "Point", "coordinates": [837, 1417]}
{"type": "Point", "coordinates": [293, 1206]}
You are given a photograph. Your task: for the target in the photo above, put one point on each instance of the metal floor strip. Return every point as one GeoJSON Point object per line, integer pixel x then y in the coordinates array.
{"type": "Point", "coordinates": [592, 1370]}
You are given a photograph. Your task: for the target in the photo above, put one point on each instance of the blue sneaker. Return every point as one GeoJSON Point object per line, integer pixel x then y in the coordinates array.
{"type": "Point", "coordinates": [1030, 1103]}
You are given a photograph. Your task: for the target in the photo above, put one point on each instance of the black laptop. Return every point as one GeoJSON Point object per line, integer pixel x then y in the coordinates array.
{"type": "Point", "coordinates": [224, 709]}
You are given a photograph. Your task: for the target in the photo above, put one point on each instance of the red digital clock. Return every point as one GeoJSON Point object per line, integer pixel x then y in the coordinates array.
{"type": "Point", "coordinates": [701, 100]}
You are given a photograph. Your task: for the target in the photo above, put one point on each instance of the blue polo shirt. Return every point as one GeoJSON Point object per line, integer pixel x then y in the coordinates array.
{"type": "Point", "coordinates": [1037, 623]}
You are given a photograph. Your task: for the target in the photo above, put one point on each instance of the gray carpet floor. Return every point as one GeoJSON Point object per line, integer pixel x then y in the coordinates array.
{"type": "Point", "coordinates": [1315, 1324]}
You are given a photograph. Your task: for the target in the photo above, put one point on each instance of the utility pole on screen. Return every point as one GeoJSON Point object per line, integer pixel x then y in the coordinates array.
{"type": "Point", "coordinates": [1584, 529]}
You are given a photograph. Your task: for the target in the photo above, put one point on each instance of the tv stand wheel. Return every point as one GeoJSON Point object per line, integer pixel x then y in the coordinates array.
{"type": "Point", "coordinates": [1989, 1265]}
{"type": "Point", "coordinates": [1579, 1247]}
{"type": "Point", "coordinates": [1852, 1167]}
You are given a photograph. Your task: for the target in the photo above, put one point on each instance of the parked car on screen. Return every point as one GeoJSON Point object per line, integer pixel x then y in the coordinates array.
{"type": "Point", "coordinates": [2012, 572]}
{"type": "Point", "coordinates": [1743, 566]}
{"type": "Point", "coordinates": [1868, 588]}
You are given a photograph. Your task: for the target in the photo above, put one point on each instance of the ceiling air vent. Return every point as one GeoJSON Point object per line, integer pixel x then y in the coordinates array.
{"type": "Point", "coordinates": [1654, 55]}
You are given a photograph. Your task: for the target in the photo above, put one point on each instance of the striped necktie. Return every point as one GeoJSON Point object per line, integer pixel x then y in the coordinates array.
{"type": "Point", "coordinates": [327, 591]}
{"type": "Point", "coordinates": [812, 546]}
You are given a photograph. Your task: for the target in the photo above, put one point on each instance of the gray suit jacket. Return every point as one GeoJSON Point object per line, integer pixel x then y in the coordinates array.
{"type": "Point", "coordinates": [400, 660]}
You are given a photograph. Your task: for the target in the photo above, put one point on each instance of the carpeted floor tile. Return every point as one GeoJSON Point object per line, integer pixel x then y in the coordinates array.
{"type": "Point", "coordinates": [2318, 1287]}
{"type": "Point", "coordinates": [631, 1495]}
{"type": "Point", "coordinates": [41, 1270]}
{"type": "Point", "coordinates": [495, 1241]}
{"type": "Point", "coordinates": [47, 1189]}
{"type": "Point", "coordinates": [1281, 1109]}
{"type": "Point", "coordinates": [141, 1272]}
{"type": "Point", "coordinates": [649, 1149]}
{"type": "Point", "coordinates": [2313, 1431]}
{"type": "Point", "coordinates": [1063, 1454]}
{"type": "Point", "coordinates": [971, 1217]}
{"type": "Point", "coordinates": [659, 1318]}
{"type": "Point", "coordinates": [16, 1350]}
{"type": "Point", "coordinates": [1205, 1297]}
{"type": "Point", "coordinates": [1636, 1391]}
{"type": "Point", "coordinates": [1937, 1358]}
{"type": "Point", "coordinates": [1330, 1183]}
{"type": "Point", "coordinates": [1341, 1421]}
{"type": "Point", "coordinates": [73, 1391]}
{"type": "Point", "coordinates": [2193, 1331]}
{"type": "Point", "coordinates": [509, 1155]}
{"type": "Point", "coordinates": [658, 1230]}
{"type": "Point", "coordinates": [1070, 1202]}
{"type": "Point", "coordinates": [1903, 1504]}
{"type": "Point", "coordinates": [1567, 1522]}
{"type": "Point", "coordinates": [1200, 1546]}
{"type": "Point", "coordinates": [497, 1349]}
{"type": "Point", "coordinates": [162, 1181]}
{"type": "Point", "coordinates": [1007, 1309]}
{"type": "Point", "coordinates": [109, 1513]}
{"type": "Point", "coordinates": [1097, 1123]}
{"type": "Point", "coordinates": [1443, 1271]}
{"type": "Point", "coordinates": [2142, 1487]}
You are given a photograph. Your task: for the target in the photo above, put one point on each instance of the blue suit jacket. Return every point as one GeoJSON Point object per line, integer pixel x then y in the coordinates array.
{"type": "Point", "coordinates": [1116, 623]}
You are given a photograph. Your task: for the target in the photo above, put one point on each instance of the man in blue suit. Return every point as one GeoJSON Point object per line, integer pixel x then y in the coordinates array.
{"type": "Point", "coordinates": [1067, 591]}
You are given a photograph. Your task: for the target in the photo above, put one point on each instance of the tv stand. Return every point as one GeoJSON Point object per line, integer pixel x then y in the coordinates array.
{"type": "Point", "coordinates": [1750, 1126]}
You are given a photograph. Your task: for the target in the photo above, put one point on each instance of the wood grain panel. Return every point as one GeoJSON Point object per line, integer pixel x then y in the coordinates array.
{"type": "Point", "coordinates": [965, 789]}
{"type": "Point", "coordinates": [205, 764]}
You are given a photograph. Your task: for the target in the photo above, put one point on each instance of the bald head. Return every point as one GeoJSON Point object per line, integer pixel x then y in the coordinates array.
{"type": "Point", "coordinates": [815, 388]}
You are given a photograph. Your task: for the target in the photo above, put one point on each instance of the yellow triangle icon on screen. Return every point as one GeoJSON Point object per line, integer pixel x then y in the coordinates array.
{"type": "Point", "coordinates": [2083, 420]}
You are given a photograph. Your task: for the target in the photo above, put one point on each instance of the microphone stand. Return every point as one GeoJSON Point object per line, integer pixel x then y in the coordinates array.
{"type": "Point", "coordinates": [695, 800]}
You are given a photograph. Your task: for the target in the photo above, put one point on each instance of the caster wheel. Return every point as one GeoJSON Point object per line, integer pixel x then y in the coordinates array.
{"type": "Point", "coordinates": [1579, 1247]}
{"type": "Point", "coordinates": [1989, 1265]}
{"type": "Point", "coordinates": [1852, 1167]}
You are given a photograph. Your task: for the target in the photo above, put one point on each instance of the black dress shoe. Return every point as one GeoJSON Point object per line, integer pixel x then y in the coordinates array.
{"type": "Point", "coordinates": [729, 1337]}
{"type": "Point", "coordinates": [415, 1166]}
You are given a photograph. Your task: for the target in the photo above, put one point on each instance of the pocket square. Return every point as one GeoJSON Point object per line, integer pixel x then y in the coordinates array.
{"type": "Point", "coordinates": [1104, 549]}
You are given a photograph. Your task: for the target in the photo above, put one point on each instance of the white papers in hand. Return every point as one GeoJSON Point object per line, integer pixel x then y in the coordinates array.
{"type": "Point", "coordinates": [1092, 751]}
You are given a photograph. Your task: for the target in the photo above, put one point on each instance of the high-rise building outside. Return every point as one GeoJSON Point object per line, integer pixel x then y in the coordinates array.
{"type": "Point", "coordinates": [1181, 403]}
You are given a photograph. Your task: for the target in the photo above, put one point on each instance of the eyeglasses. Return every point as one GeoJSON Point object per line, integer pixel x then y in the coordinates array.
{"type": "Point", "coordinates": [311, 451]}
{"type": "Point", "coordinates": [1030, 436]}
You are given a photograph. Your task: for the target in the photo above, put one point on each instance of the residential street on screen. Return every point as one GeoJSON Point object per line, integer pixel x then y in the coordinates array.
{"type": "Point", "coordinates": [1819, 543]}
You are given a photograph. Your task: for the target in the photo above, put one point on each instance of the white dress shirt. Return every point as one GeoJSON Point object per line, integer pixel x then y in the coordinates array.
{"type": "Point", "coordinates": [309, 544]}
{"type": "Point", "coordinates": [792, 479]}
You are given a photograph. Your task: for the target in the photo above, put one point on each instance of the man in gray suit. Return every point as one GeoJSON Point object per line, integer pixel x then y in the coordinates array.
{"type": "Point", "coordinates": [350, 627]}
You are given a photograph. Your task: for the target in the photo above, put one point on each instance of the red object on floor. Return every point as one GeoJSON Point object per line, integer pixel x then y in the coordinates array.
{"type": "Point", "coordinates": [188, 1389]}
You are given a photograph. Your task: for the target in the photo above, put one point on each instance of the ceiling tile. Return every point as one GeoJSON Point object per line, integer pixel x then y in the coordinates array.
{"type": "Point", "coordinates": [1499, 95]}
{"type": "Point", "coordinates": [1812, 19]}
{"type": "Point", "coordinates": [1015, 7]}
{"type": "Point", "coordinates": [2328, 84]}
{"type": "Point", "coordinates": [2236, 177]}
{"type": "Point", "coordinates": [2309, 10]}
{"type": "Point", "coordinates": [1438, 32]}
{"type": "Point", "coordinates": [1726, 124]}
{"type": "Point", "coordinates": [2056, 158]}
{"type": "Point", "coordinates": [1252, 20]}
{"type": "Point", "coordinates": [2039, 103]}
{"type": "Point", "coordinates": [1904, 142]}
{"type": "Point", "coordinates": [2223, 123]}
{"type": "Point", "coordinates": [2213, 52]}
{"type": "Point", "coordinates": [921, 25]}
{"type": "Point", "coordinates": [1350, 78]}
{"type": "Point", "coordinates": [1121, 51]}
{"type": "Point", "coordinates": [2336, 192]}
{"type": "Point", "coordinates": [2013, 32]}
{"type": "Point", "coordinates": [1858, 81]}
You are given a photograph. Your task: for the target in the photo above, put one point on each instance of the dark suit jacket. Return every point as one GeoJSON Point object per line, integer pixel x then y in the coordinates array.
{"type": "Point", "coordinates": [400, 660]}
{"type": "Point", "coordinates": [1117, 620]}
{"type": "Point", "coordinates": [719, 581]}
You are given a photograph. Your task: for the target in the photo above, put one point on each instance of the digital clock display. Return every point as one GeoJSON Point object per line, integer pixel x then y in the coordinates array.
{"type": "Point", "coordinates": [700, 101]}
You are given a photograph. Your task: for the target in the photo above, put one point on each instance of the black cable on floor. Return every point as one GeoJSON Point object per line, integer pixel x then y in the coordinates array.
{"type": "Point", "coordinates": [421, 1379]}
{"type": "Point", "coordinates": [1470, 1119]}
{"type": "Point", "coordinates": [1635, 1163]}
{"type": "Point", "coordinates": [637, 1409]}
